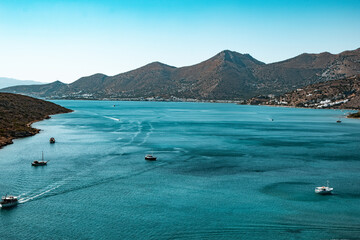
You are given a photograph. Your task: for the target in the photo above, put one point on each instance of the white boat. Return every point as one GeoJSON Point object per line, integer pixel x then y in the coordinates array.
{"type": "Point", "coordinates": [8, 201]}
{"type": "Point", "coordinates": [324, 190]}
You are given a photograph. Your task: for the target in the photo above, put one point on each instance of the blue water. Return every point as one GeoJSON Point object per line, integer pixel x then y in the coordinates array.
{"type": "Point", "coordinates": [224, 171]}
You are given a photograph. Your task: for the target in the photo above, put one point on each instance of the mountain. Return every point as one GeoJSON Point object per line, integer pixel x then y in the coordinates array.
{"type": "Point", "coordinates": [17, 112]}
{"type": "Point", "coordinates": [8, 82]}
{"type": "Point", "coordinates": [341, 93]}
{"type": "Point", "coordinates": [43, 90]}
{"type": "Point", "coordinates": [305, 69]}
{"type": "Point", "coordinates": [227, 75]}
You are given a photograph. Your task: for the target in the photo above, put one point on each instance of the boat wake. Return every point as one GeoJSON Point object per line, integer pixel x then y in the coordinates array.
{"type": "Point", "coordinates": [140, 133]}
{"type": "Point", "coordinates": [148, 133]}
{"type": "Point", "coordinates": [66, 185]}
{"type": "Point", "coordinates": [26, 199]}
{"type": "Point", "coordinates": [112, 118]}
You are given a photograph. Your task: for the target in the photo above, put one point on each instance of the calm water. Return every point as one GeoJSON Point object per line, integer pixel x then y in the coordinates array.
{"type": "Point", "coordinates": [224, 171]}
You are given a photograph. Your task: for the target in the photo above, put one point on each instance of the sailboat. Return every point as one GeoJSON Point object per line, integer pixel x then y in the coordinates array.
{"type": "Point", "coordinates": [40, 163]}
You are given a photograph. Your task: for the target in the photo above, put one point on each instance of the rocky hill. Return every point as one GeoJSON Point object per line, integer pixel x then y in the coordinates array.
{"type": "Point", "coordinates": [227, 75]}
{"type": "Point", "coordinates": [17, 112]}
{"type": "Point", "coordinates": [341, 93]}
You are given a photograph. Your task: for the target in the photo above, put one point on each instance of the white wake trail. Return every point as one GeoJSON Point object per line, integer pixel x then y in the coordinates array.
{"type": "Point", "coordinates": [112, 118]}
{"type": "Point", "coordinates": [147, 134]}
{"type": "Point", "coordinates": [24, 200]}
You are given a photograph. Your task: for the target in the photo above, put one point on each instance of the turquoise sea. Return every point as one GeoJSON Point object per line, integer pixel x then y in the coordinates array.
{"type": "Point", "coordinates": [224, 171]}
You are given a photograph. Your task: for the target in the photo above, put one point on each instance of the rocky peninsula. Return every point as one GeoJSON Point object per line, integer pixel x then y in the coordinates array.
{"type": "Point", "coordinates": [18, 112]}
{"type": "Point", "coordinates": [354, 115]}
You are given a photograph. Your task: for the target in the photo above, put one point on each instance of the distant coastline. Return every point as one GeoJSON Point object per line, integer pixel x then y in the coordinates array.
{"type": "Point", "coordinates": [238, 102]}
{"type": "Point", "coordinates": [155, 99]}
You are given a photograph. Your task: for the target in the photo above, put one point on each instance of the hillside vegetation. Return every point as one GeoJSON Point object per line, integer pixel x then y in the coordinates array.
{"type": "Point", "coordinates": [17, 112]}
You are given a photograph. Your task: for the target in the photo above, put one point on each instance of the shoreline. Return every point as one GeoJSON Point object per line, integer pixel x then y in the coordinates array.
{"type": "Point", "coordinates": [352, 109]}
{"type": "Point", "coordinates": [5, 141]}
{"type": "Point", "coordinates": [238, 102]}
{"type": "Point", "coordinates": [147, 100]}
{"type": "Point", "coordinates": [19, 112]}
{"type": "Point", "coordinates": [347, 116]}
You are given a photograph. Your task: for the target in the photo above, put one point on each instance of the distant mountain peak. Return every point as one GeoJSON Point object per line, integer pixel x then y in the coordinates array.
{"type": "Point", "coordinates": [58, 82]}
{"type": "Point", "coordinates": [238, 58]}
{"type": "Point", "coordinates": [158, 64]}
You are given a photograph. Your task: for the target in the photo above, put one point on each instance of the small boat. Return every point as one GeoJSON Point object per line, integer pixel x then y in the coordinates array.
{"type": "Point", "coordinates": [338, 121]}
{"type": "Point", "coordinates": [8, 201]}
{"type": "Point", "coordinates": [52, 140]}
{"type": "Point", "coordinates": [39, 163]}
{"type": "Point", "coordinates": [150, 157]}
{"type": "Point", "coordinates": [324, 190]}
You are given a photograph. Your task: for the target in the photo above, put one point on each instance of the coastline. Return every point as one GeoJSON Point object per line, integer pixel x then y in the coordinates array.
{"type": "Point", "coordinates": [150, 100]}
{"type": "Point", "coordinates": [354, 115]}
{"type": "Point", "coordinates": [238, 102]}
{"type": "Point", "coordinates": [18, 112]}
{"type": "Point", "coordinates": [350, 109]}
{"type": "Point", "coordinates": [4, 141]}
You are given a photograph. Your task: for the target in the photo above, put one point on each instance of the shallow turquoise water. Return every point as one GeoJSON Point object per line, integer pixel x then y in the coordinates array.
{"type": "Point", "coordinates": [224, 171]}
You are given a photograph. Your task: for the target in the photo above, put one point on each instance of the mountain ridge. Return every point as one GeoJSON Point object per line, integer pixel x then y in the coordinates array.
{"type": "Point", "coordinates": [228, 75]}
{"type": "Point", "coordinates": [9, 82]}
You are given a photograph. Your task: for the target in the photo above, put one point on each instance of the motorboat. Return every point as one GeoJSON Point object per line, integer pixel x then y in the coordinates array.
{"type": "Point", "coordinates": [8, 201]}
{"type": "Point", "coordinates": [150, 157]}
{"type": "Point", "coordinates": [40, 163]}
{"type": "Point", "coordinates": [324, 190]}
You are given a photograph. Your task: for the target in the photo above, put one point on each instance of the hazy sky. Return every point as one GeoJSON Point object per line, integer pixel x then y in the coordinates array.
{"type": "Point", "coordinates": [64, 40]}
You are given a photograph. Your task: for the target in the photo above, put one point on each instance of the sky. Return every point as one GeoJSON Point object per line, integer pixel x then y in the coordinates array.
{"type": "Point", "coordinates": [48, 40]}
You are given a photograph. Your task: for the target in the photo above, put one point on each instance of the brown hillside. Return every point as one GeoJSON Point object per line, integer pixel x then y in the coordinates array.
{"type": "Point", "coordinates": [17, 112]}
{"type": "Point", "coordinates": [341, 93]}
{"type": "Point", "coordinates": [227, 75]}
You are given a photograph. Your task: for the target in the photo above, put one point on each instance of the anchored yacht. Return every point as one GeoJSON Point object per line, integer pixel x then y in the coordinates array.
{"type": "Point", "coordinates": [324, 190]}
{"type": "Point", "coordinates": [40, 163]}
{"type": "Point", "coordinates": [150, 157]}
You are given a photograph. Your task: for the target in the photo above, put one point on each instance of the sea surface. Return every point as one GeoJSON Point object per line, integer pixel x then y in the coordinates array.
{"type": "Point", "coordinates": [224, 171]}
